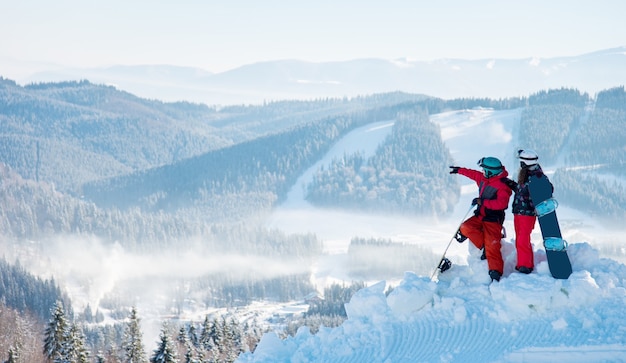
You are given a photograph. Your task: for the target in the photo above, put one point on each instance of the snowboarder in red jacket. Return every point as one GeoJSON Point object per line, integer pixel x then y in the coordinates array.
{"type": "Point", "coordinates": [484, 228]}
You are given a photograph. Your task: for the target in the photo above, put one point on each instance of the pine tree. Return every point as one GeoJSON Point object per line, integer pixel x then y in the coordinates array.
{"type": "Point", "coordinates": [14, 355]}
{"type": "Point", "coordinates": [193, 335]}
{"type": "Point", "coordinates": [181, 338]}
{"type": "Point", "coordinates": [88, 314]}
{"type": "Point", "coordinates": [55, 335]}
{"type": "Point", "coordinates": [75, 343]}
{"type": "Point", "coordinates": [191, 355]}
{"type": "Point", "coordinates": [207, 335]}
{"type": "Point", "coordinates": [132, 345]}
{"type": "Point", "coordinates": [99, 316]}
{"type": "Point", "coordinates": [165, 353]}
{"type": "Point", "coordinates": [194, 349]}
{"type": "Point", "coordinates": [219, 327]}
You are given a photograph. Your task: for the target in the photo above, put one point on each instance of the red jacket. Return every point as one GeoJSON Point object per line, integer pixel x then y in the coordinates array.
{"type": "Point", "coordinates": [493, 192]}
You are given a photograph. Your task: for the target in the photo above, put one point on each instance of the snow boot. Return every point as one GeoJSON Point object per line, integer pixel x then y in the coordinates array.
{"type": "Point", "coordinates": [444, 265]}
{"type": "Point", "coordinates": [459, 237]}
{"type": "Point", "coordinates": [524, 269]}
{"type": "Point", "coordinates": [495, 275]}
{"type": "Point", "coordinates": [484, 255]}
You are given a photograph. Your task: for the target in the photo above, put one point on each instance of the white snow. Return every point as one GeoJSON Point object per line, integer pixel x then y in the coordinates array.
{"type": "Point", "coordinates": [462, 316]}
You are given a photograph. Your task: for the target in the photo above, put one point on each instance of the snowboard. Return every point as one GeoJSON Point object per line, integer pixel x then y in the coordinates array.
{"type": "Point", "coordinates": [540, 190]}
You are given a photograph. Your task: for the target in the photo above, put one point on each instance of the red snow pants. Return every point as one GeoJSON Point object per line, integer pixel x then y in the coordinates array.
{"type": "Point", "coordinates": [488, 235]}
{"type": "Point", "coordinates": [524, 225]}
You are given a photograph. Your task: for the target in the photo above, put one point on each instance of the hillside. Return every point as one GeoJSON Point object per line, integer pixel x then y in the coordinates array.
{"type": "Point", "coordinates": [72, 133]}
{"type": "Point", "coordinates": [407, 175]}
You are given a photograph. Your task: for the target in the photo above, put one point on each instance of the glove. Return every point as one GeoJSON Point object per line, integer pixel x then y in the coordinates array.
{"type": "Point", "coordinates": [454, 169]}
{"type": "Point", "coordinates": [476, 201]}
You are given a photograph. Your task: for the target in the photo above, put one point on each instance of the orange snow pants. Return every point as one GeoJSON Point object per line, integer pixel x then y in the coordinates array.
{"type": "Point", "coordinates": [523, 227]}
{"type": "Point", "coordinates": [488, 235]}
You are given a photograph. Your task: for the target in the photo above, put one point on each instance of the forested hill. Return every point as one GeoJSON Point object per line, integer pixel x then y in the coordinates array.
{"type": "Point", "coordinates": [408, 174]}
{"type": "Point", "coordinates": [72, 133]}
{"type": "Point", "coordinates": [583, 138]}
{"type": "Point", "coordinates": [121, 151]}
{"type": "Point", "coordinates": [252, 176]}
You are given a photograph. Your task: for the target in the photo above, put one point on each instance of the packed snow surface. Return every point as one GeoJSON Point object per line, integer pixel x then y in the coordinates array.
{"type": "Point", "coordinates": [464, 317]}
{"type": "Point", "coordinates": [460, 315]}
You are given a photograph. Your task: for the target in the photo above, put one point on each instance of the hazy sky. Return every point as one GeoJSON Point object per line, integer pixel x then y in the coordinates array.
{"type": "Point", "coordinates": [221, 35]}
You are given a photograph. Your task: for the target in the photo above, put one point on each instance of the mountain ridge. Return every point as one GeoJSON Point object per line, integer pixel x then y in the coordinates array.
{"type": "Point", "coordinates": [295, 79]}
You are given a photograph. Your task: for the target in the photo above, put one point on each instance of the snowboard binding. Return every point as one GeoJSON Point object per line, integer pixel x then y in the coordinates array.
{"type": "Point", "coordinates": [555, 244]}
{"type": "Point", "coordinates": [546, 207]}
{"type": "Point", "coordinates": [459, 237]}
{"type": "Point", "coordinates": [444, 265]}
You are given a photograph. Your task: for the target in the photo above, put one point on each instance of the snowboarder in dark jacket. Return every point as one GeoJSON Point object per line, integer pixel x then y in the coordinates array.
{"type": "Point", "coordinates": [524, 214]}
{"type": "Point", "coordinates": [484, 229]}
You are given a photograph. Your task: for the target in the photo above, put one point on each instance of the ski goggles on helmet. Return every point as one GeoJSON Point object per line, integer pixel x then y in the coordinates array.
{"type": "Point", "coordinates": [490, 165]}
{"type": "Point", "coordinates": [528, 158]}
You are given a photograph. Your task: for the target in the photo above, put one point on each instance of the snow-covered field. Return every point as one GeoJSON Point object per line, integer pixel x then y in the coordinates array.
{"type": "Point", "coordinates": [462, 316]}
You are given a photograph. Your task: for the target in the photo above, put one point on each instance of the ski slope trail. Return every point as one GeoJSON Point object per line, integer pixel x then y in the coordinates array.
{"type": "Point", "coordinates": [362, 140]}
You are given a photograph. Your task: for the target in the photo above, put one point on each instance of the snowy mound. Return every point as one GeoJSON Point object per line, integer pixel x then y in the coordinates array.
{"type": "Point", "coordinates": [465, 317]}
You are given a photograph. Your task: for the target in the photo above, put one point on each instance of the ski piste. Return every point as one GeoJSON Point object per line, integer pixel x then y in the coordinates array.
{"type": "Point", "coordinates": [540, 190]}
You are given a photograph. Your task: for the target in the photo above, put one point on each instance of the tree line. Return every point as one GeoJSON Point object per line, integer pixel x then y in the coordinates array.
{"type": "Point", "coordinates": [26, 293]}
{"type": "Point", "coordinates": [327, 310]}
{"type": "Point", "coordinates": [66, 337]}
{"type": "Point", "coordinates": [216, 339]}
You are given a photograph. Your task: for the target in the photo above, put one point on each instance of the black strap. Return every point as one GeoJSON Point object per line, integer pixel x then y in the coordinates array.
{"type": "Point", "coordinates": [509, 183]}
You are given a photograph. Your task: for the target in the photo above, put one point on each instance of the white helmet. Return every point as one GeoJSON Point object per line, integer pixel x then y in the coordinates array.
{"type": "Point", "coordinates": [527, 157]}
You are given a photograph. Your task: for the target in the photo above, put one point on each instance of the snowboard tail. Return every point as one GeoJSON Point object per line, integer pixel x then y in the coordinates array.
{"type": "Point", "coordinates": [560, 266]}
{"type": "Point", "coordinates": [556, 248]}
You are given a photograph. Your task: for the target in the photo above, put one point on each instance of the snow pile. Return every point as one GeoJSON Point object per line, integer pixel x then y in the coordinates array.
{"type": "Point", "coordinates": [465, 317]}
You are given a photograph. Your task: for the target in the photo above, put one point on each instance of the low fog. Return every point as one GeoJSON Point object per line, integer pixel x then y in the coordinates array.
{"type": "Point", "coordinates": [90, 268]}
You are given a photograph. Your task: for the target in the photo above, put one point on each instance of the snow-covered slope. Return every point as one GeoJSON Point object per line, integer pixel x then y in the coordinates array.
{"type": "Point", "coordinates": [463, 316]}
